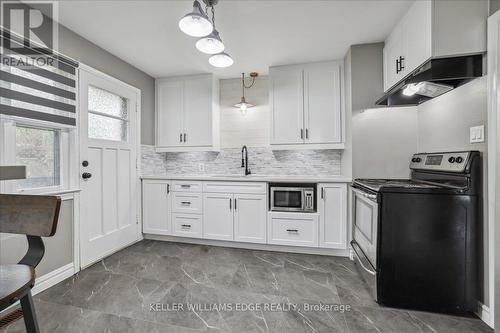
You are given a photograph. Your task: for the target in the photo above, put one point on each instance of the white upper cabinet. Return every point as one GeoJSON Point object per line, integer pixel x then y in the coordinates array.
{"type": "Point", "coordinates": [287, 100]}
{"type": "Point", "coordinates": [306, 106]}
{"type": "Point", "coordinates": [434, 29]}
{"type": "Point", "coordinates": [322, 104]}
{"type": "Point", "coordinates": [187, 113]}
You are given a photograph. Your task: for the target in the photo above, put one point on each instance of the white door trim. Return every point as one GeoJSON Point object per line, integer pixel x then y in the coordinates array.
{"type": "Point", "coordinates": [493, 156]}
{"type": "Point", "coordinates": [138, 93]}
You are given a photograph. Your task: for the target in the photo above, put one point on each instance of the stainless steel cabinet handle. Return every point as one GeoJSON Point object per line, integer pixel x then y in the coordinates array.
{"type": "Point", "coordinates": [301, 133]}
{"type": "Point", "coordinates": [292, 230]}
{"type": "Point", "coordinates": [322, 193]}
{"type": "Point", "coordinates": [230, 204]}
{"type": "Point", "coordinates": [180, 137]}
{"type": "Point", "coordinates": [307, 133]}
{"type": "Point", "coordinates": [185, 186]}
{"type": "Point", "coordinates": [234, 204]}
{"type": "Point", "coordinates": [186, 202]}
{"type": "Point", "coordinates": [186, 225]}
{"type": "Point", "coordinates": [185, 136]}
{"type": "Point", "coordinates": [168, 188]}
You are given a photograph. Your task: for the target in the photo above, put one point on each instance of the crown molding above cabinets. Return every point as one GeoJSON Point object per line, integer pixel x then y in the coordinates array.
{"type": "Point", "coordinates": [307, 106]}
{"type": "Point", "coordinates": [187, 113]}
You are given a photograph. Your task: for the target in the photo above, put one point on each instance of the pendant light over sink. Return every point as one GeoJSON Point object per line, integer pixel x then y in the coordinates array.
{"type": "Point", "coordinates": [243, 105]}
{"type": "Point", "coordinates": [209, 42]}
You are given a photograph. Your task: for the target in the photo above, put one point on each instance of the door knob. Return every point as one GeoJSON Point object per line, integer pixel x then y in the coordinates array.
{"type": "Point", "coordinates": [86, 175]}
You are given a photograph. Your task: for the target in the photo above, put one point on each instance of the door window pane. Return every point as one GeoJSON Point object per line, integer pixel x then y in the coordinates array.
{"type": "Point", "coordinates": [102, 101]}
{"type": "Point", "coordinates": [107, 115]}
{"type": "Point", "coordinates": [107, 128]}
{"type": "Point", "coordinates": [38, 149]}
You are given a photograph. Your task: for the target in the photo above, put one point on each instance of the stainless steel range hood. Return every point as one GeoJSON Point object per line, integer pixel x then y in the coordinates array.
{"type": "Point", "coordinates": [432, 79]}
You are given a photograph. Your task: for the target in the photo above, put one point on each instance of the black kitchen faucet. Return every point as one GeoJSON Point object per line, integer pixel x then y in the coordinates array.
{"type": "Point", "coordinates": [244, 160]}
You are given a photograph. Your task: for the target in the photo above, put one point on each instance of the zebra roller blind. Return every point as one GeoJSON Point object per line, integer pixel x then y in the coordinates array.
{"type": "Point", "coordinates": [36, 83]}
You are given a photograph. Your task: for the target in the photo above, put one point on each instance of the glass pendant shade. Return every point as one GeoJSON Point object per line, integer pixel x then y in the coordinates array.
{"type": "Point", "coordinates": [221, 60]}
{"type": "Point", "coordinates": [196, 23]}
{"type": "Point", "coordinates": [210, 44]}
{"type": "Point", "coordinates": [243, 105]}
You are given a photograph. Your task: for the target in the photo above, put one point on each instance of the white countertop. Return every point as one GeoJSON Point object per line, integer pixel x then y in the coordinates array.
{"type": "Point", "coordinates": [256, 178]}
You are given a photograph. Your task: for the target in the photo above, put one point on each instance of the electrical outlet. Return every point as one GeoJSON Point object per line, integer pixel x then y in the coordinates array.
{"type": "Point", "coordinates": [201, 167]}
{"type": "Point", "coordinates": [476, 134]}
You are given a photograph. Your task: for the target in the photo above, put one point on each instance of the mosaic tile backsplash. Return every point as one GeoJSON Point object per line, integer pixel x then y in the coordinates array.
{"type": "Point", "coordinates": [263, 161]}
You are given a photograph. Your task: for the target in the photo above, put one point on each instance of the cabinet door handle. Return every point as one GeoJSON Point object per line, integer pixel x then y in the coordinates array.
{"type": "Point", "coordinates": [302, 133]}
{"type": "Point", "coordinates": [186, 186]}
{"type": "Point", "coordinates": [307, 133]}
{"type": "Point", "coordinates": [322, 193]}
{"type": "Point", "coordinates": [185, 136]}
{"type": "Point", "coordinates": [292, 230]}
{"type": "Point", "coordinates": [401, 63]}
{"type": "Point", "coordinates": [186, 225]}
{"type": "Point", "coordinates": [185, 202]}
{"type": "Point", "coordinates": [168, 188]}
{"type": "Point", "coordinates": [235, 204]}
{"type": "Point", "coordinates": [230, 204]}
{"type": "Point", "coordinates": [180, 137]}
{"type": "Point", "coordinates": [397, 66]}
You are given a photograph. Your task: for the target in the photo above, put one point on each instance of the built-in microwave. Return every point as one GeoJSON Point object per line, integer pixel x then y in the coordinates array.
{"type": "Point", "coordinates": [292, 197]}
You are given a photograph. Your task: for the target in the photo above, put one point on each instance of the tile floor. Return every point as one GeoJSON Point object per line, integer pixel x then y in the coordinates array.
{"type": "Point", "coordinates": [118, 293]}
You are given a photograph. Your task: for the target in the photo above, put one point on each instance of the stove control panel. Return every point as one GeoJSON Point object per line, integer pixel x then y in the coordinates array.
{"type": "Point", "coordinates": [450, 162]}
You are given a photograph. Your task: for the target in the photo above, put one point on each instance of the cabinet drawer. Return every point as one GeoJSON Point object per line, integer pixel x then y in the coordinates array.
{"type": "Point", "coordinates": [187, 203]}
{"type": "Point", "coordinates": [187, 225]}
{"type": "Point", "coordinates": [293, 229]}
{"type": "Point", "coordinates": [234, 187]}
{"type": "Point", "coordinates": [186, 186]}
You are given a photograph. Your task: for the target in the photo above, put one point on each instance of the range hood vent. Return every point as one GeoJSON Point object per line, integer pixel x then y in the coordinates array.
{"type": "Point", "coordinates": [432, 79]}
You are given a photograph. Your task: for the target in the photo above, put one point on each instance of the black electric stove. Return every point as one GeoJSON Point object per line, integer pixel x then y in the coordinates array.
{"type": "Point", "coordinates": [415, 240]}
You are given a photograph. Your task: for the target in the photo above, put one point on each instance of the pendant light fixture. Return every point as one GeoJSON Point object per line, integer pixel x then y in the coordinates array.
{"type": "Point", "coordinates": [212, 43]}
{"type": "Point", "coordinates": [195, 24]}
{"type": "Point", "coordinates": [243, 105]}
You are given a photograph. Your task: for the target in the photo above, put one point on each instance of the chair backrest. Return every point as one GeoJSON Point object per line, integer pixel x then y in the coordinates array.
{"type": "Point", "coordinates": [33, 215]}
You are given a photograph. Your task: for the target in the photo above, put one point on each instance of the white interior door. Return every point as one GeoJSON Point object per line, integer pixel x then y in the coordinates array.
{"type": "Point", "coordinates": [108, 153]}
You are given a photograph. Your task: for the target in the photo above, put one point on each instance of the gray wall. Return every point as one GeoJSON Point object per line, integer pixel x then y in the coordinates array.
{"type": "Point", "coordinates": [58, 249]}
{"type": "Point", "coordinates": [382, 138]}
{"type": "Point", "coordinates": [443, 125]}
{"type": "Point", "coordinates": [77, 47]}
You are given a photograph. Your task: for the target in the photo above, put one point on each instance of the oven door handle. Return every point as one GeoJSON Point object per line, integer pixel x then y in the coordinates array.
{"type": "Point", "coordinates": [354, 246]}
{"type": "Point", "coordinates": [372, 197]}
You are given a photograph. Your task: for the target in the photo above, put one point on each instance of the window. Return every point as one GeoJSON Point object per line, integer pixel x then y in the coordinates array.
{"type": "Point", "coordinates": [108, 115]}
{"type": "Point", "coordinates": [38, 149]}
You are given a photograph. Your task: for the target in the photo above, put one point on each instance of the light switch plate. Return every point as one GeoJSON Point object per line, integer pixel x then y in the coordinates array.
{"type": "Point", "coordinates": [477, 134]}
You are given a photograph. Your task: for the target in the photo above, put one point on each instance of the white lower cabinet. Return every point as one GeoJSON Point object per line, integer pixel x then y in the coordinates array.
{"type": "Point", "coordinates": [156, 207]}
{"type": "Point", "coordinates": [218, 216]}
{"type": "Point", "coordinates": [187, 225]}
{"type": "Point", "coordinates": [239, 212]}
{"type": "Point", "coordinates": [294, 229]}
{"type": "Point", "coordinates": [250, 218]}
{"type": "Point", "coordinates": [332, 209]}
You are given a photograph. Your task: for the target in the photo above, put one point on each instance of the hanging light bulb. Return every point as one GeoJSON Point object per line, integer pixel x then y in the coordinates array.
{"type": "Point", "coordinates": [196, 23]}
{"type": "Point", "coordinates": [221, 60]}
{"type": "Point", "coordinates": [210, 44]}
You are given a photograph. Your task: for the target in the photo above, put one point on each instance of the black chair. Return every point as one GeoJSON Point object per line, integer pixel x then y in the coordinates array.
{"type": "Point", "coordinates": [34, 216]}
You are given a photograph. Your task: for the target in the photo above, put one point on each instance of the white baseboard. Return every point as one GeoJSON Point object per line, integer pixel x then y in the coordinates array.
{"type": "Point", "coordinates": [52, 278]}
{"type": "Point", "coordinates": [251, 246]}
{"type": "Point", "coordinates": [483, 312]}
{"type": "Point", "coordinates": [46, 281]}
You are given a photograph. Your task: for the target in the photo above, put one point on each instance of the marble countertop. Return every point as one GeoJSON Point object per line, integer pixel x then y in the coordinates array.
{"type": "Point", "coordinates": [256, 178]}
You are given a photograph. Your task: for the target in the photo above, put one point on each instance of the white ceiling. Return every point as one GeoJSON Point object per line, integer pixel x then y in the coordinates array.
{"type": "Point", "coordinates": [257, 34]}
